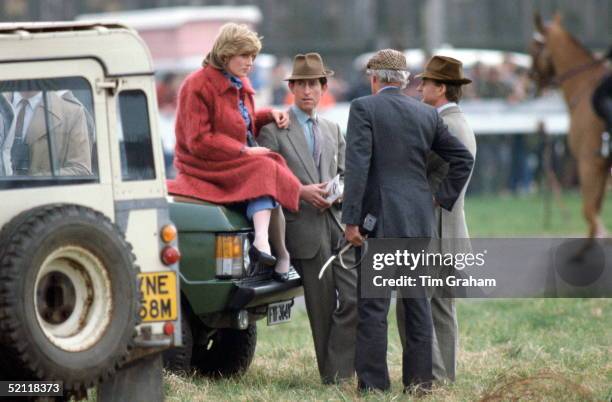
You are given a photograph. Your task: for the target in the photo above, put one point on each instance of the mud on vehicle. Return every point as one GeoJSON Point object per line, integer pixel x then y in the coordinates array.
{"type": "Point", "coordinates": [88, 254]}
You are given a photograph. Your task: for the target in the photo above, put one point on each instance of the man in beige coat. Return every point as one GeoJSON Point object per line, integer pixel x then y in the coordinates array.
{"type": "Point", "coordinates": [441, 88]}
{"type": "Point", "coordinates": [65, 120]}
{"type": "Point", "coordinates": [314, 150]}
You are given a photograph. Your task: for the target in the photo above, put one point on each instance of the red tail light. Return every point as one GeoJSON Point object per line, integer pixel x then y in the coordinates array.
{"type": "Point", "coordinates": [168, 328]}
{"type": "Point", "coordinates": [170, 255]}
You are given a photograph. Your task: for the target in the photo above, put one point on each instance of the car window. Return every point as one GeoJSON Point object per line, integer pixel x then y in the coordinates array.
{"type": "Point", "coordinates": [47, 132]}
{"type": "Point", "coordinates": [134, 135]}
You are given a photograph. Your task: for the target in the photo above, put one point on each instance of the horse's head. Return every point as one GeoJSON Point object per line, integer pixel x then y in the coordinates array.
{"type": "Point", "coordinates": [542, 70]}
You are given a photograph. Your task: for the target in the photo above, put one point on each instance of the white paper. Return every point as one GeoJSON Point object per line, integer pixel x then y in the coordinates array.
{"type": "Point", "coordinates": [334, 189]}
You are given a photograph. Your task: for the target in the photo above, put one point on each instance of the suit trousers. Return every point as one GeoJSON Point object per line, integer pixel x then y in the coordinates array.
{"type": "Point", "coordinates": [444, 318]}
{"type": "Point", "coordinates": [371, 347]}
{"type": "Point", "coordinates": [331, 304]}
{"type": "Point", "coordinates": [445, 340]}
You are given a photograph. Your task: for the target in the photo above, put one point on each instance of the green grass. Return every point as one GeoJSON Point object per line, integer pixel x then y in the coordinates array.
{"type": "Point", "coordinates": [533, 349]}
{"type": "Point", "coordinates": [526, 215]}
{"type": "Point", "coordinates": [540, 349]}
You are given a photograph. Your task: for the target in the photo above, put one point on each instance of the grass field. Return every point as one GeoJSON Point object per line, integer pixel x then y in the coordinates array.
{"type": "Point", "coordinates": [533, 349]}
{"type": "Point", "coordinates": [526, 215]}
{"type": "Point", "coordinates": [553, 350]}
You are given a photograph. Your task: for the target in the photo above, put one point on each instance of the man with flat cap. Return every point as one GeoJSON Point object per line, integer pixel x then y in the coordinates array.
{"type": "Point", "coordinates": [314, 150]}
{"type": "Point", "coordinates": [440, 87]}
{"type": "Point", "coordinates": [389, 136]}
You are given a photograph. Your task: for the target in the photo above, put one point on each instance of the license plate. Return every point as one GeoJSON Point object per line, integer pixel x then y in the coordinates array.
{"type": "Point", "coordinates": [158, 300]}
{"type": "Point", "coordinates": [279, 312]}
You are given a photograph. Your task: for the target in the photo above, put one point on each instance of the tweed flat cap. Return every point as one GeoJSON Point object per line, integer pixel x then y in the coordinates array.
{"type": "Point", "coordinates": [388, 59]}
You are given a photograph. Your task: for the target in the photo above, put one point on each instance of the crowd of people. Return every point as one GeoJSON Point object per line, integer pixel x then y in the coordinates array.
{"type": "Point", "coordinates": [507, 80]}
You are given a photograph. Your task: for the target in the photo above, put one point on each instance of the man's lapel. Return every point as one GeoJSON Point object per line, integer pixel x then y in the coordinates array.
{"type": "Point", "coordinates": [327, 151]}
{"type": "Point", "coordinates": [298, 140]}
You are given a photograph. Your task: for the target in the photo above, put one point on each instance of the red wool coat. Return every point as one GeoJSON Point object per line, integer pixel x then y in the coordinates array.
{"type": "Point", "coordinates": [210, 134]}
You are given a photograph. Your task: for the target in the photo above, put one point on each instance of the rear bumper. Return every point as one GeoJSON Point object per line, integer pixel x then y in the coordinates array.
{"type": "Point", "coordinates": [257, 292]}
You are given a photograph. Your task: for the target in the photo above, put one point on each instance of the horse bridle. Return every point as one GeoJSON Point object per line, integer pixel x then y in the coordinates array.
{"type": "Point", "coordinates": [541, 80]}
{"type": "Point", "coordinates": [559, 79]}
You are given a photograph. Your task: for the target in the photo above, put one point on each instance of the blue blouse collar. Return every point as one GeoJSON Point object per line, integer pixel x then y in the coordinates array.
{"type": "Point", "coordinates": [237, 82]}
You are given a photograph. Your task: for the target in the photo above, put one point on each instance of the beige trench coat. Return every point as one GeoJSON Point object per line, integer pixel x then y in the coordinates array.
{"type": "Point", "coordinates": [71, 145]}
{"type": "Point", "coordinates": [452, 223]}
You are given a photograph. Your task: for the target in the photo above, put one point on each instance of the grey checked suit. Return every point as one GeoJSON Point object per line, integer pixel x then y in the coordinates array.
{"type": "Point", "coordinates": [389, 137]}
{"type": "Point", "coordinates": [311, 235]}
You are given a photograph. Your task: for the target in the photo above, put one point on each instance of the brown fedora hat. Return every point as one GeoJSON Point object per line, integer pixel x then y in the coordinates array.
{"type": "Point", "coordinates": [445, 69]}
{"type": "Point", "coordinates": [308, 66]}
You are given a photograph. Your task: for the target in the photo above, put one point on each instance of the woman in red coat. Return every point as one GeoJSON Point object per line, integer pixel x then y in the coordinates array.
{"type": "Point", "coordinates": [217, 157]}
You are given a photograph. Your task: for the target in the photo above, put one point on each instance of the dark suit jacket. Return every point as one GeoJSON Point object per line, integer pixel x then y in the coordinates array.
{"type": "Point", "coordinates": [389, 136]}
{"type": "Point", "coordinates": [306, 227]}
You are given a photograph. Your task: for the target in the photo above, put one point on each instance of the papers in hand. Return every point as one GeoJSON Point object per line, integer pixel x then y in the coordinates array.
{"type": "Point", "coordinates": [333, 189]}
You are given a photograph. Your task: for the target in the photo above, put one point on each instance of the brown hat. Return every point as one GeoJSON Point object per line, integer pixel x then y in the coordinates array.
{"type": "Point", "coordinates": [445, 69]}
{"type": "Point", "coordinates": [388, 59]}
{"type": "Point", "coordinates": [308, 66]}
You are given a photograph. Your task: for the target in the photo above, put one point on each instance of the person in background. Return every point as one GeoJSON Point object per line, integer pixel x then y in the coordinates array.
{"type": "Point", "coordinates": [217, 157]}
{"type": "Point", "coordinates": [602, 99]}
{"type": "Point", "coordinates": [54, 118]}
{"type": "Point", "coordinates": [167, 89]}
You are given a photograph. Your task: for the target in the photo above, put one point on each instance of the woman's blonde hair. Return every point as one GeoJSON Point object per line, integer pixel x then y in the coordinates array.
{"type": "Point", "coordinates": [232, 40]}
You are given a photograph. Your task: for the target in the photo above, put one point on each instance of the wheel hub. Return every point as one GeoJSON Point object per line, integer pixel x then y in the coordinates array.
{"type": "Point", "coordinates": [73, 298]}
{"type": "Point", "coordinates": [56, 297]}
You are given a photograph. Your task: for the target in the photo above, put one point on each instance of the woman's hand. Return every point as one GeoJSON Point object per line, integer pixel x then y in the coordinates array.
{"type": "Point", "coordinates": [281, 118]}
{"type": "Point", "coordinates": [256, 150]}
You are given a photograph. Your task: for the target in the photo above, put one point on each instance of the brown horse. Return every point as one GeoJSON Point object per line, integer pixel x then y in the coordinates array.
{"type": "Point", "coordinates": [558, 59]}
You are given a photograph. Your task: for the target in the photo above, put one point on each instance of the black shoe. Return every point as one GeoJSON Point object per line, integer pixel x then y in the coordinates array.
{"type": "Point", "coordinates": [280, 276]}
{"type": "Point", "coordinates": [259, 256]}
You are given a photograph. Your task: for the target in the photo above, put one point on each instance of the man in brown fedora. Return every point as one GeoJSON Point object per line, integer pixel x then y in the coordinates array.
{"type": "Point", "coordinates": [388, 138]}
{"type": "Point", "coordinates": [314, 150]}
{"type": "Point", "coordinates": [441, 88]}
